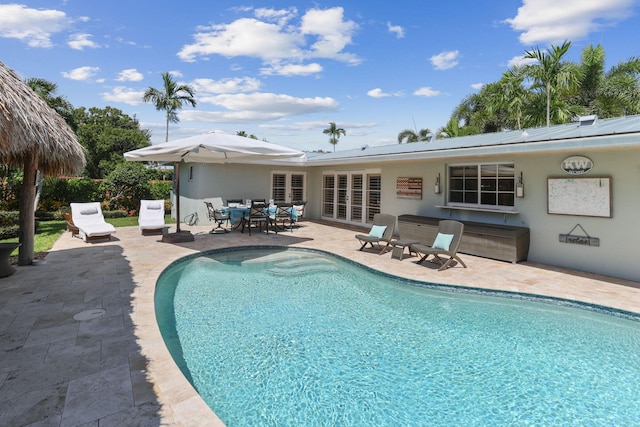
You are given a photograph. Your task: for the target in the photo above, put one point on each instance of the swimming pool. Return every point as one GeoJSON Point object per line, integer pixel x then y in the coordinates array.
{"type": "Point", "coordinates": [276, 336]}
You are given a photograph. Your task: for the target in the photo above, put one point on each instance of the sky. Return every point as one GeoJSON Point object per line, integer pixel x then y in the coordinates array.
{"type": "Point", "coordinates": [283, 70]}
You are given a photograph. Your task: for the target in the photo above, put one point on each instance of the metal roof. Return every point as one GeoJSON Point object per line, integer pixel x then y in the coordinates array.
{"type": "Point", "coordinates": [589, 134]}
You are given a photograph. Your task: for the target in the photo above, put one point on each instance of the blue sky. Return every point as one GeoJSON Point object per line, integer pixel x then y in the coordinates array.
{"type": "Point", "coordinates": [283, 70]}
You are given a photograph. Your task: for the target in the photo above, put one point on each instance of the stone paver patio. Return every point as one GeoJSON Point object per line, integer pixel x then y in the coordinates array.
{"type": "Point", "coordinates": [79, 344]}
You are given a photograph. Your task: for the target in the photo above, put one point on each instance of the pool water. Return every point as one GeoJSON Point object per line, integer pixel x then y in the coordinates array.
{"type": "Point", "coordinates": [291, 337]}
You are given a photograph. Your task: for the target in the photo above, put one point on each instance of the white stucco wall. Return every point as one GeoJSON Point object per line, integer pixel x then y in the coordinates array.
{"type": "Point", "coordinates": [616, 256]}
{"type": "Point", "coordinates": [229, 181]}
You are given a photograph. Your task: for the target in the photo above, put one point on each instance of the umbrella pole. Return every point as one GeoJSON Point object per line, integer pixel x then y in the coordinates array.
{"type": "Point", "coordinates": [179, 236]}
{"type": "Point", "coordinates": [176, 172]}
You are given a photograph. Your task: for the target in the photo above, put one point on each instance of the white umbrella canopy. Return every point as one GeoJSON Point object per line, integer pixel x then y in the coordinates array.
{"type": "Point", "coordinates": [210, 148]}
{"type": "Point", "coordinates": [213, 148]}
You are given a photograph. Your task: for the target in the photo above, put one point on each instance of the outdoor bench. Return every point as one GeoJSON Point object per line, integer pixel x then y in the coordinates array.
{"type": "Point", "coordinates": [495, 241]}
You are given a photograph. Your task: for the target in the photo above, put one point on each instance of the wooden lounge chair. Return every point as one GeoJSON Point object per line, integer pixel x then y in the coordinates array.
{"type": "Point", "coordinates": [90, 221]}
{"type": "Point", "coordinates": [71, 227]}
{"type": "Point", "coordinates": [445, 244]}
{"type": "Point", "coordinates": [381, 232]}
{"type": "Point", "coordinates": [151, 216]}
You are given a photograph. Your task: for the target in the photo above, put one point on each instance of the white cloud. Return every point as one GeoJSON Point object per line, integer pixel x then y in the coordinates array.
{"type": "Point", "coordinates": [80, 41]}
{"type": "Point", "coordinates": [292, 69]}
{"type": "Point", "coordinates": [129, 75]}
{"type": "Point", "coordinates": [273, 42]}
{"type": "Point", "coordinates": [552, 21]}
{"type": "Point", "coordinates": [477, 86]}
{"type": "Point", "coordinates": [445, 60]}
{"type": "Point", "coordinates": [81, 73]}
{"type": "Point", "coordinates": [33, 26]}
{"type": "Point", "coordinates": [427, 91]}
{"type": "Point", "coordinates": [396, 29]}
{"type": "Point", "coordinates": [312, 125]}
{"type": "Point", "coordinates": [332, 31]}
{"type": "Point", "coordinates": [379, 93]}
{"type": "Point", "coordinates": [124, 95]}
{"type": "Point", "coordinates": [230, 85]}
{"type": "Point", "coordinates": [281, 16]}
{"type": "Point", "coordinates": [257, 107]}
{"type": "Point", "coordinates": [244, 37]}
{"type": "Point", "coordinates": [520, 60]}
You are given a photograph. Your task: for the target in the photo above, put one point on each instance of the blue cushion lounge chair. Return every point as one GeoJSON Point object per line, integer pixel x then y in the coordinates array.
{"type": "Point", "coordinates": [381, 232]}
{"type": "Point", "coordinates": [445, 244]}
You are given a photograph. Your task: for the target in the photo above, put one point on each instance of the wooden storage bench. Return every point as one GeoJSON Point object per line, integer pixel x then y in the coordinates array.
{"type": "Point", "coordinates": [496, 241]}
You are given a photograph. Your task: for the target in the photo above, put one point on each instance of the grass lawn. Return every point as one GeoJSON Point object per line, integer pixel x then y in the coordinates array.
{"type": "Point", "coordinates": [50, 231]}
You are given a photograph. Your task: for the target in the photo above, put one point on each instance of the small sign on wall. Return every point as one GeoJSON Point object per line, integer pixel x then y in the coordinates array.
{"type": "Point", "coordinates": [409, 188]}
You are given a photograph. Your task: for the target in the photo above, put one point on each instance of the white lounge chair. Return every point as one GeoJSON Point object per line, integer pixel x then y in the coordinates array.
{"type": "Point", "coordinates": [151, 216]}
{"type": "Point", "coordinates": [90, 221]}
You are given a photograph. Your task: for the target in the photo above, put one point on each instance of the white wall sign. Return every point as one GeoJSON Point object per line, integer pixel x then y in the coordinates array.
{"type": "Point", "coordinates": [576, 165]}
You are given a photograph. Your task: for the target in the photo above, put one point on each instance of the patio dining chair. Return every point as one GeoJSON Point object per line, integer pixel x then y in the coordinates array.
{"type": "Point", "coordinates": [282, 215]}
{"type": "Point", "coordinates": [258, 215]}
{"type": "Point", "coordinates": [217, 215]}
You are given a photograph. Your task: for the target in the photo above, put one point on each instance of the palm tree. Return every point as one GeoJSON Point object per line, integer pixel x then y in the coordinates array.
{"type": "Point", "coordinates": [47, 91]}
{"type": "Point", "coordinates": [170, 98]}
{"type": "Point", "coordinates": [335, 133]}
{"type": "Point", "coordinates": [513, 96]}
{"type": "Point", "coordinates": [411, 136]}
{"type": "Point", "coordinates": [619, 93]}
{"type": "Point", "coordinates": [551, 74]}
{"type": "Point", "coordinates": [451, 130]}
{"type": "Point", "coordinates": [608, 94]}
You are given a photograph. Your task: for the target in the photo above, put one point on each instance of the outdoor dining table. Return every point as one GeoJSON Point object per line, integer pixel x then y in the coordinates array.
{"type": "Point", "coordinates": [238, 213]}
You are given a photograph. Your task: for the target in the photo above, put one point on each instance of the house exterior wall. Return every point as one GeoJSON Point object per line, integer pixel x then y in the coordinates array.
{"type": "Point", "coordinates": [616, 255]}
{"type": "Point", "coordinates": [229, 181]}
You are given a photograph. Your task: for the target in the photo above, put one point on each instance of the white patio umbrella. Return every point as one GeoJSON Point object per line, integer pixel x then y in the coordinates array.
{"type": "Point", "coordinates": [211, 148]}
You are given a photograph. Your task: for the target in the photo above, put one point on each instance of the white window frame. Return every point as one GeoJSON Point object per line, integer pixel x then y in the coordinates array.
{"type": "Point", "coordinates": [478, 204]}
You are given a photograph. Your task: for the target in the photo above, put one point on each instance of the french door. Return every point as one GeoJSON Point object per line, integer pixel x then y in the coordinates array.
{"type": "Point", "coordinates": [351, 196]}
{"type": "Point", "coordinates": [288, 187]}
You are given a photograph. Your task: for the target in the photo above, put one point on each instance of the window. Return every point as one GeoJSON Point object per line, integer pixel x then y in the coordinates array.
{"type": "Point", "coordinates": [490, 186]}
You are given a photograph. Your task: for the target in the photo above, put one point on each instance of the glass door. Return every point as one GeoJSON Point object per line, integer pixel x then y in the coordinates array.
{"type": "Point", "coordinates": [344, 197]}
{"type": "Point", "coordinates": [288, 187]}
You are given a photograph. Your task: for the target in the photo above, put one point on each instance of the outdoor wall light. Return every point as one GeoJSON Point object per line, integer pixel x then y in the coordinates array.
{"type": "Point", "coordinates": [436, 187]}
{"type": "Point", "coordinates": [520, 187]}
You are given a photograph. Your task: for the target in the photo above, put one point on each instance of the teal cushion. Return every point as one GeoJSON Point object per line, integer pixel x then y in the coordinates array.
{"type": "Point", "coordinates": [377, 231]}
{"type": "Point", "coordinates": [443, 241]}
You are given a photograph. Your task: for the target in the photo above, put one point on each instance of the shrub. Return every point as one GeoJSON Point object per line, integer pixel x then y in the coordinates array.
{"type": "Point", "coordinates": [9, 218]}
{"type": "Point", "coordinates": [126, 185]}
{"type": "Point", "coordinates": [115, 214]}
{"type": "Point", "coordinates": [9, 232]}
{"type": "Point", "coordinates": [160, 190]}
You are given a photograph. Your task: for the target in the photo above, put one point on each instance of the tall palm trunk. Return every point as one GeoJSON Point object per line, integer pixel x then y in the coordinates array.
{"type": "Point", "coordinates": [27, 217]}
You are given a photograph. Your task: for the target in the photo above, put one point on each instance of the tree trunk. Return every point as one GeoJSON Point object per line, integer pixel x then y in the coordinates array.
{"type": "Point", "coordinates": [27, 219]}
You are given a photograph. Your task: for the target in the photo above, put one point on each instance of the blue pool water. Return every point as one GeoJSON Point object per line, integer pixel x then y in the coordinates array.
{"type": "Point", "coordinates": [290, 337]}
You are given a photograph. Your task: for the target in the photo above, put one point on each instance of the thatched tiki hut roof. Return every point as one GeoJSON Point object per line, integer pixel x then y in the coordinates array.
{"type": "Point", "coordinates": [35, 137]}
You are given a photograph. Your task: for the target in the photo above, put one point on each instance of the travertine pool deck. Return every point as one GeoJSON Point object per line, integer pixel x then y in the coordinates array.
{"type": "Point", "coordinates": [79, 340]}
